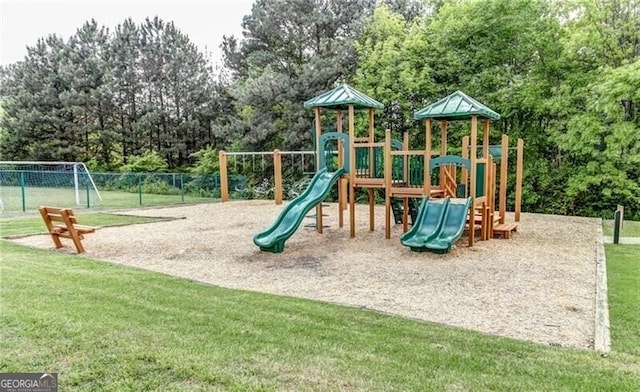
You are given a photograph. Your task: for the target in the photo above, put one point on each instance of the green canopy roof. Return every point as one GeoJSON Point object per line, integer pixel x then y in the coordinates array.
{"type": "Point", "coordinates": [457, 106]}
{"type": "Point", "coordinates": [341, 97]}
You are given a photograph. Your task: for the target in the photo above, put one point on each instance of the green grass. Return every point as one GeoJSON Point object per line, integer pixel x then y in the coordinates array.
{"type": "Point", "coordinates": [65, 197]}
{"type": "Point", "coordinates": [623, 276]}
{"type": "Point", "coordinates": [629, 228]}
{"type": "Point", "coordinates": [104, 326]}
{"type": "Point", "coordinates": [35, 225]}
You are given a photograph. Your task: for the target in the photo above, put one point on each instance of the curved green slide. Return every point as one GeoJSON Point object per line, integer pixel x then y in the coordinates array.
{"type": "Point", "coordinates": [427, 224]}
{"type": "Point", "coordinates": [439, 225]}
{"type": "Point", "coordinates": [452, 226]}
{"type": "Point", "coordinates": [273, 238]}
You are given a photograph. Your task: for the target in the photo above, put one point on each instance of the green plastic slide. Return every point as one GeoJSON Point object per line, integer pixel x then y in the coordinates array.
{"type": "Point", "coordinates": [273, 238]}
{"type": "Point", "coordinates": [452, 226]}
{"type": "Point", "coordinates": [427, 224]}
{"type": "Point", "coordinates": [439, 225]}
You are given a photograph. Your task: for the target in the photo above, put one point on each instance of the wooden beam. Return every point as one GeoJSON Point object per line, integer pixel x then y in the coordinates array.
{"type": "Point", "coordinates": [372, 160]}
{"type": "Point", "coordinates": [372, 209]}
{"type": "Point", "coordinates": [405, 159]}
{"type": "Point", "coordinates": [485, 155]}
{"type": "Point", "coordinates": [465, 172]}
{"type": "Point", "coordinates": [224, 179]}
{"type": "Point", "coordinates": [342, 183]}
{"type": "Point", "coordinates": [387, 184]}
{"type": "Point", "coordinates": [427, 157]}
{"type": "Point", "coordinates": [472, 186]}
{"type": "Point", "coordinates": [277, 175]}
{"type": "Point", "coordinates": [318, 132]}
{"type": "Point", "coordinates": [519, 170]}
{"type": "Point", "coordinates": [504, 161]}
{"type": "Point", "coordinates": [352, 173]}
{"type": "Point", "coordinates": [443, 151]}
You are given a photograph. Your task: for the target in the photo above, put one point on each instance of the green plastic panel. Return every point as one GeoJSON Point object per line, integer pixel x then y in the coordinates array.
{"type": "Point", "coordinates": [457, 106]}
{"type": "Point", "coordinates": [341, 97]}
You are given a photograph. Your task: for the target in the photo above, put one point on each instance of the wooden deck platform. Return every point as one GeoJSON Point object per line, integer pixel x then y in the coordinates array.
{"type": "Point", "coordinates": [504, 230]}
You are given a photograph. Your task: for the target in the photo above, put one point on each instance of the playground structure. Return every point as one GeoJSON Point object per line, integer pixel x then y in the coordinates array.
{"type": "Point", "coordinates": [466, 183]}
{"type": "Point", "coordinates": [476, 178]}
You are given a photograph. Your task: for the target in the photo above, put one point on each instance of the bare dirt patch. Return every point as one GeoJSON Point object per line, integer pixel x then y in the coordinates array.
{"type": "Point", "coordinates": [539, 285]}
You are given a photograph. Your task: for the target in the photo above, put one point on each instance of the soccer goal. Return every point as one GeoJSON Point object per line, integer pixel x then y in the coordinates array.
{"type": "Point", "coordinates": [27, 185]}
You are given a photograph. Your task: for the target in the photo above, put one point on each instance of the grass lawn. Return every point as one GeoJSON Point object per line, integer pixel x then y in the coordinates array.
{"type": "Point", "coordinates": [623, 276]}
{"type": "Point", "coordinates": [35, 225]}
{"type": "Point", "coordinates": [103, 326]}
{"type": "Point", "coordinates": [629, 229]}
{"type": "Point", "coordinates": [65, 197]}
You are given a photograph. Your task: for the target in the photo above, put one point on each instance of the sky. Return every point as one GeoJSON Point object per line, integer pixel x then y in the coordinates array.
{"type": "Point", "coordinates": [204, 21]}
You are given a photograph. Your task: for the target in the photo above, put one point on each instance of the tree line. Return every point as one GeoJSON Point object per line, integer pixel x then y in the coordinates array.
{"type": "Point", "coordinates": [105, 96]}
{"type": "Point", "coordinates": [565, 77]}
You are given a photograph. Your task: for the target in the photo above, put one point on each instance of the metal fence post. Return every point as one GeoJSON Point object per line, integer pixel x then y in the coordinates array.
{"type": "Point", "coordinates": [182, 186]}
{"type": "Point", "coordinates": [140, 189]}
{"type": "Point", "coordinates": [616, 227]}
{"type": "Point", "coordinates": [24, 201]}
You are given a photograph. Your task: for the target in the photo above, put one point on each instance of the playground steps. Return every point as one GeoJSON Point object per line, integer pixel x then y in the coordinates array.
{"type": "Point", "coordinates": [504, 230]}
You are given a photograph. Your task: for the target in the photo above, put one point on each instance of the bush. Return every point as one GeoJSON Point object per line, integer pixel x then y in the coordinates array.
{"type": "Point", "coordinates": [150, 162]}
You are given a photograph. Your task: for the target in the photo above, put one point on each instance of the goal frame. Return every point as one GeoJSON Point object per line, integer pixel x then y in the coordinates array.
{"type": "Point", "coordinates": [75, 165]}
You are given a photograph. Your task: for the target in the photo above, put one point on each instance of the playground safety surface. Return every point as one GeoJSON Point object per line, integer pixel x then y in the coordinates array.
{"type": "Point", "coordinates": [540, 285]}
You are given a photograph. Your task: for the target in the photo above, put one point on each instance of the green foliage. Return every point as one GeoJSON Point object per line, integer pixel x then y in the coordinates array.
{"type": "Point", "coordinates": [563, 75]}
{"type": "Point", "coordinates": [207, 161]}
{"type": "Point", "coordinates": [292, 50]}
{"type": "Point", "coordinates": [392, 67]}
{"type": "Point", "coordinates": [147, 163]}
{"type": "Point", "coordinates": [107, 96]}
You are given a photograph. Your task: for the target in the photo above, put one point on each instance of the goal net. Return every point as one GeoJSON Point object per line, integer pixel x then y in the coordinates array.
{"type": "Point", "coordinates": [28, 185]}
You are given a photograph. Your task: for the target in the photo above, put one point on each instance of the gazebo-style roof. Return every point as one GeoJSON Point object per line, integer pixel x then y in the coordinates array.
{"type": "Point", "coordinates": [341, 97]}
{"type": "Point", "coordinates": [455, 107]}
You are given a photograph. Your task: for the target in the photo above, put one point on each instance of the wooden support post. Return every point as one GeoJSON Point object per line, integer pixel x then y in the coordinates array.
{"type": "Point", "coordinates": [317, 135]}
{"type": "Point", "coordinates": [372, 160]}
{"type": "Point", "coordinates": [465, 173]}
{"type": "Point", "coordinates": [352, 173]}
{"type": "Point", "coordinates": [491, 197]}
{"type": "Point", "coordinates": [519, 169]}
{"type": "Point", "coordinates": [427, 158]}
{"type": "Point", "coordinates": [442, 176]}
{"type": "Point", "coordinates": [319, 221]}
{"type": "Point", "coordinates": [405, 158]}
{"type": "Point", "coordinates": [341, 198]}
{"type": "Point", "coordinates": [472, 187]}
{"type": "Point", "coordinates": [372, 209]}
{"type": "Point", "coordinates": [342, 185]}
{"type": "Point", "coordinates": [405, 214]}
{"type": "Point", "coordinates": [224, 179]}
{"type": "Point", "coordinates": [387, 184]}
{"type": "Point", "coordinates": [504, 161]}
{"type": "Point", "coordinates": [277, 176]}
{"type": "Point", "coordinates": [485, 155]}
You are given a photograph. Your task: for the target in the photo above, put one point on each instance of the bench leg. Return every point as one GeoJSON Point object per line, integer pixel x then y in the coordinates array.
{"type": "Point", "coordinates": [56, 241]}
{"type": "Point", "coordinates": [77, 241]}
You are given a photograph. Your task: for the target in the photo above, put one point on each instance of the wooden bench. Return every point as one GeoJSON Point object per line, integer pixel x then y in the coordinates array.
{"type": "Point", "coordinates": [62, 223]}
